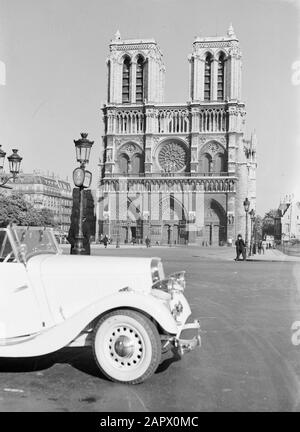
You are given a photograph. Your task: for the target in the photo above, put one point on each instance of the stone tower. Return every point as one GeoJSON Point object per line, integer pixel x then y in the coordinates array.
{"type": "Point", "coordinates": [175, 173]}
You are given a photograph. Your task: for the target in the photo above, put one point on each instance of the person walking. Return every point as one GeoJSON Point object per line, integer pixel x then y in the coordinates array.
{"type": "Point", "coordinates": [240, 248]}
{"type": "Point", "coordinates": [263, 246]}
{"type": "Point", "coordinates": [259, 246]}
{"type": "Point", "coordinates": [147, 241]}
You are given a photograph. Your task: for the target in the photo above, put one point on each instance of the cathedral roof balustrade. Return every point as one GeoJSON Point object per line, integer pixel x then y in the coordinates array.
{"type": "Point", "coordinates": [167, 119]}
{"type": "Point", "coordinates": [169, 184]}
{"type": "Point", "coordinates": [168, 174]}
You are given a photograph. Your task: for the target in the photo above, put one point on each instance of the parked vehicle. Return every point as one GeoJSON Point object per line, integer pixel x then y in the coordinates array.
{"type": "Point", "coordinates": [124, 307]}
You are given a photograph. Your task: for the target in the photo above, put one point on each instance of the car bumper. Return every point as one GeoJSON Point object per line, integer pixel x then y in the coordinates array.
{"type": "Point", "coordinates": [184, 346]}
{"type": "Point", "coordinates": [180, 345]}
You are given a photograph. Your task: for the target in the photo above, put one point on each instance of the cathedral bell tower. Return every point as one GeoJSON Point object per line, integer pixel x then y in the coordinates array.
{"type": "Point", "coordinates": [135, 71]}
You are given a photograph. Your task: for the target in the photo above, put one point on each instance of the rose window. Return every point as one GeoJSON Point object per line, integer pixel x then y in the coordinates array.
{"type": "Point", "coordinates": [172, 157]}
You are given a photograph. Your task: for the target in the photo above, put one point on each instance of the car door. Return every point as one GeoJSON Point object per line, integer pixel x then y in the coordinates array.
{"type": "Point", "coordinates": [19, 310]}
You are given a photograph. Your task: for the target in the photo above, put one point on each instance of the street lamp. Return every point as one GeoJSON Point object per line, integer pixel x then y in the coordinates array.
{"type": "Point", "coordinates": [82, 179]}
{"type": "Point", "coordinates": [14, 162]}
{"type": "Point", "coordinates": [252, 240]}
{"type": "Point", "coordinates": [118, 235]}
{"type": "Point", "coordinates": [246, 207]}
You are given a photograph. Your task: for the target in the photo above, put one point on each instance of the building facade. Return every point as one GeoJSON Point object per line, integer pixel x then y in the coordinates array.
{"type": "Point", "coordinates": [176, 173]}
{"type": "Point", "coordinates": [290, 219]}
{"type": "Point", "coordinates": [48, 192]}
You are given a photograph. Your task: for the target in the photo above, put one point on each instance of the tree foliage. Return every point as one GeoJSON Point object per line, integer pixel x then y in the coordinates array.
{"type": "Point", "coordinates": [15, 209]}
{"type": "Point", "coordinates": [269, 222]}
{"type": "Point", "coordinates": [258, 227]}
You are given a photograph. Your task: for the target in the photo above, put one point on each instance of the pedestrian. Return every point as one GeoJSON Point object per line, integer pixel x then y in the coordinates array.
{"type": "Point", "coordinates": [240, 248]}
{"type": "Point", "coordinates": [263, 246]}
{"type": "Point", "coordinates": [147, 241]}
{"type": "Point", "coordinates": [259, 246]}
{"type": "Point", "coordinates": [105, 241]}
{"type": "Point", "coordinates": [73, 232]}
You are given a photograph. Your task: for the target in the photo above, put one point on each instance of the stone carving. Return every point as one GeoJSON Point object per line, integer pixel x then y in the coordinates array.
{"type": "Point", "coordinates": [120, 141]}
{"type": "Point", "coordinates": [230, 219]}
{"type": "Point", "coordinates": [214, 147]}
{"type": "Point", "coordinates": [109, 155]}
{"type": "Point", "coordinates": [172, 157]}
{"type": "Point", "coordinates": [130, 148]}
{"type": "Point", "coordinates": [140, 46]}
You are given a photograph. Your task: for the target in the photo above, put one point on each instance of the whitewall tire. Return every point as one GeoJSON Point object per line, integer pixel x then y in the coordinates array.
{"type": "Point", "coordinates": [127, 346]}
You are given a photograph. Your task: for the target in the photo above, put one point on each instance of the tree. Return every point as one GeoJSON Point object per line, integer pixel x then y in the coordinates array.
{"type": "Point", "coordinates": [257, 229]}
{"type": "Point", "coordinates": [47, 217]}
{"type": "Point", "coordinates": [15, 209]}
{"type": "Point", "coordinates": [269, 222]}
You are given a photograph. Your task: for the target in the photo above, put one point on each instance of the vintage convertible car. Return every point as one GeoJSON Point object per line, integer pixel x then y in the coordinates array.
{"type": "Point", "coordinates": [124, 307]}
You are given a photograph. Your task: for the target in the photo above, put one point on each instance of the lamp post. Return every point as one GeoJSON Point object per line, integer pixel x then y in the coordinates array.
{"type": "Point", "coordinates": [14, 162]}
{"type": "Point", "coordinates": [118, 235]}
{"type": "Point", "coordinates": [252, 218]}
{"type": "Point", "coordinates": [82, 179]}
{"type": "Point", "coordinates": [246, 204]}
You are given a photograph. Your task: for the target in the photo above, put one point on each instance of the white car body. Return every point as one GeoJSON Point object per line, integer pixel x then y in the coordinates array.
{"type": "Point", "coordinates": [49, 300]}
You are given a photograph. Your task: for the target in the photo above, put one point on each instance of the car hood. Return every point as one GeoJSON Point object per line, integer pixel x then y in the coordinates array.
{"type": "Point", "coordinates": [109, 273]}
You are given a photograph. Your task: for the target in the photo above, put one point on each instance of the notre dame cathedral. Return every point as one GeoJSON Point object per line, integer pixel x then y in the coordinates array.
{"type": "Point", "coordinates": [175, 173]}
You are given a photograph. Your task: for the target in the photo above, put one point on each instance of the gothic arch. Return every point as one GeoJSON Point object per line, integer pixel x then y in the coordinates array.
{"type": "Point", "coordinates": [220, 52]}
{"type": "Point", "coordinates": [124, 56]}
{"type": "Point", "coordinates": [219, 163]}
{"type": "Point", "coordinates": [215, 154]}
{"type": "Point", "coordinates": [208, 51]}
{"type": "Point", "coordinates": [123, 163]}
{"type": "Point", "coordinates": [170, 205]}
{"type": "Point", "coordinates": [137, 163]}
{"type": "Point", "coordinates": [215, 221]}
{"type": "Point", "coordinates": [134, 144]}
{"type": "Point", "coordinates": [138, 55]}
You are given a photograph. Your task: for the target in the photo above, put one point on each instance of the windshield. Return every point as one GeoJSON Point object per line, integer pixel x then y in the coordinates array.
{"type": "Point", "coordinates": [6, 250]}
{"type": "Point", "coordinates": [27, 242]}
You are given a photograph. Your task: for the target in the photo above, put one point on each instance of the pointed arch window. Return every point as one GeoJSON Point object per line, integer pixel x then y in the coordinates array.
{"type": "Point", "coordinates": [221, 71]}
{"type": "Point", "coordinates": [124, 164]}
{"type": "Point", "coordinates": [207, 163]}
{"type": "Point", "coordinates": [137, 164]}
{"type": "Point", "coordinates": [219, 163]}
{"type": "Point", "coordinates": [139, 93]}
{"type": "Point", "coordinates": [207, 77]}
{"type": "Point", "coordinates": [126, 80]}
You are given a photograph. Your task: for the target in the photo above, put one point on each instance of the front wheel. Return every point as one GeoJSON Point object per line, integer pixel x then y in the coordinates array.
{"type": "Point", "coordinates": [127, 346]}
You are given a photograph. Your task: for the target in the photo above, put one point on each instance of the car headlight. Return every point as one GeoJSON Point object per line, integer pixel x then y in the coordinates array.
{"type": "Point", "coordinates": [179, 277]}
{"type": "Point", "coordinates": [157, 271]}
{"type": "Point", "coordinates": [174, 283]}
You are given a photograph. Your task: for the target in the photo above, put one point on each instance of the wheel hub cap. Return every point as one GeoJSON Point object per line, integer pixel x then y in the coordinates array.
{"type": "Point", "coordinates": [124, 347]}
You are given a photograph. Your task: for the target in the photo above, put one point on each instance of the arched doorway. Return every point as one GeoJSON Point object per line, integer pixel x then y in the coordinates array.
{"type": "Point", "coordinates": [215, 222]}
{"type": "Point", "coordinates": [174, 223]}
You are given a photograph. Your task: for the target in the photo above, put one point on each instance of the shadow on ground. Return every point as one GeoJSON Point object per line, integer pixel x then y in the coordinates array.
{"type": "Point", "coordinates": [81, 359]}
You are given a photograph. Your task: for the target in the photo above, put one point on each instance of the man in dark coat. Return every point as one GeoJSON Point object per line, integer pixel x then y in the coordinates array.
{"type": "Point", "coordinates": [240, 248]}
{"type": "Point", "coordinates": [105, 241]}
{"type": "Point", "coordinates": [73, 231]}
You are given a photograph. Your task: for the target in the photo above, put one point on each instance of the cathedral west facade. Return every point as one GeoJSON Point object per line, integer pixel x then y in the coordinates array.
{"type": "Point", "coordinates": [176, 173]}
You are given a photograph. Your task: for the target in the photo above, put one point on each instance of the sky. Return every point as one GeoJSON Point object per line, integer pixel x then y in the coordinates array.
{"type": "Point", "coordinates": [55, 53]}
